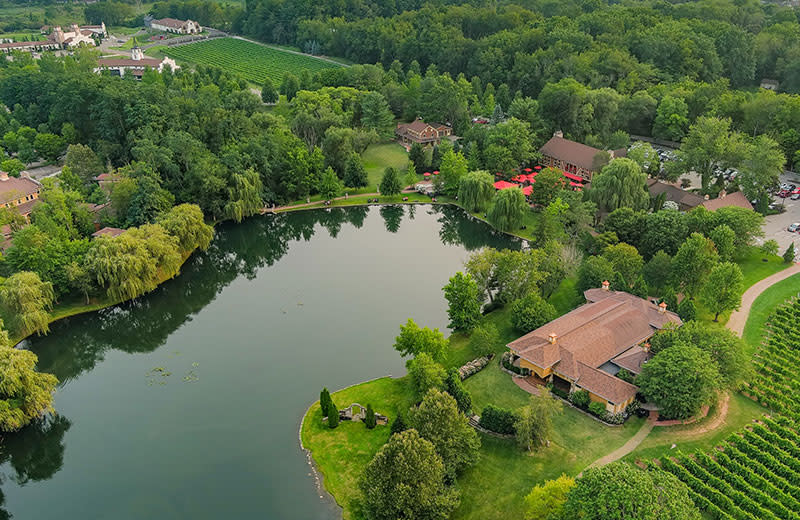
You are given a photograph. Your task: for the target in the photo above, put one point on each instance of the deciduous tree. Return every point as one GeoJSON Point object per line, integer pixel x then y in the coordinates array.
{"type": "Point", "coordinates": [620, 184]}
{"type": "Point", "coordinates": [534, 426]}
{"type": "Point", "coordinates": [405, 479]}
{"type": "Point", "coordinates": [475, 190]}
{"type": "Point", "coordinates": [546, 500]}
{"type": "Point", "coordinates": [26, 300]}
{"type": "Point", "coordinates": [723, 289]}
{"type": "Point", "coordinates": [414, 340]}
{"type": "Point", "coordinates": [618, 491]}
{"type": "Point", "coordinates": [438, 420]}
{"type": "Point", "coordinates": [425, 373]}
{"type": "Point", "coordinates": [680, 380]}
{"type": "Point", "coordinates": [508, 209]}
{"type": "Point", "coordinates": [531, 312]}
{"type": "Point", "coordinates": [693, 262]}
{"type": "Point", "coordinates": [464, 307]}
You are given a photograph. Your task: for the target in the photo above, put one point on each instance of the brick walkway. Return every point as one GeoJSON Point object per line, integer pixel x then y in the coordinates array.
{"type": "Point", "coordinates": [526, 385]}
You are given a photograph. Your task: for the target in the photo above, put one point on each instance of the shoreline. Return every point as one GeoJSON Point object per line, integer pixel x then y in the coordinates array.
{"type": "Point", "coordinates": [98, 306]}
{"type": "Point", "coordinates": [319, 476]}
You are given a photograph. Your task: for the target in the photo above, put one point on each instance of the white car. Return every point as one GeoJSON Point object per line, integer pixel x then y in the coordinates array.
{"type": "Point", "coordinates": [793, 227]}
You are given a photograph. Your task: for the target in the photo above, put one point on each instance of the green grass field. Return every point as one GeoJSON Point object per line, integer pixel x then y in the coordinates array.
{"type": "Point", "coordinates": [764, 305]}
{"type": "Point", "coordinates": [378, 157]}
{"type": "Point", "coordinates": [252, 61]}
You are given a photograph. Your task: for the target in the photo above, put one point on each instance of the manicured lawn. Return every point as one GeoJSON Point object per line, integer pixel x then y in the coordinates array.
{"type": "Point", "coordinates": [764, 305]}
{"type": "Point", "coordinates": [342, 453]}
{"type": "Point", "coordinates": [741, 411]}
{"type": "Point", "coordinates": [567, 296]}
{"type": "Point", "coordinates": [378, 157]}
{"type": "Point", "coordinates": [460, 352]}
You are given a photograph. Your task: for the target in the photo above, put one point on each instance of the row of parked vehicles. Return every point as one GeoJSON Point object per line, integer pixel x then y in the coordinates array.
{"type": "Point", "coordinates": [789, 190]}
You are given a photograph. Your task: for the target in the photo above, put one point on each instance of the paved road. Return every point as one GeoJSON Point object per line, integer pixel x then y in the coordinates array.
{"type": "Point", "coordinates": [739, 318]}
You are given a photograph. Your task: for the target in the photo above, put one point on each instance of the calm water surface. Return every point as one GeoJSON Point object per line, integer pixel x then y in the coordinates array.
{"type": "Point", "coordinates": [187, 402]}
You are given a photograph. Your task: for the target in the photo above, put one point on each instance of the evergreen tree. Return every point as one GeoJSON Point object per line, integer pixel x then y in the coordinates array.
{"type": "Point", "coordinates": [390, 184]}
{"type": "Point", "coordinates": [687, 310]}
{"type": "Point", "coordinates": [411, 175]}
{"type": "Point", "coordinates": [788, 256]}
{"type": "Point", "coordinates": [455, 387]}
{"type": "Point", "coordinates": [417, 157]}
{"type": "Point", "coordinates": [325, 401]}
{"type": "Point", "coordinates": [290, 86]}
{"type": "Point", "coordinates": [333, 416]}
{"type": "Point", "coordinates": [369, 419]}
{"type": "Point", "coordinates": [398, 425]}
{"type": "Point", "coordinates": [355, 175]}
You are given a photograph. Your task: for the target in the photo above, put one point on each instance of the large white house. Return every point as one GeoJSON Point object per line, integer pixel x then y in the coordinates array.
{"type": "Point", "coordinates": [73, 37]}
{"type": "Point", "coordinates": [135, 65]}
{"type": "Point", "coordinates": [176, 26]}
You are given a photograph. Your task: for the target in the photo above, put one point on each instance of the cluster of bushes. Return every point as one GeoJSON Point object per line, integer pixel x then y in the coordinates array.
{"type": "Point", "coordinates": [498, 420]}
{"type": "Point", "coordinates": [508, 359]}
{"type": "Point", "coordinates": [581, 399]}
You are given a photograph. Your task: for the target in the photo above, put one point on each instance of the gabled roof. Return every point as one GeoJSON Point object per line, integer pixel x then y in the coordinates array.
{"type": "Point", "coordinates": [416, 126]}
{"type": "Point", "coordinates": [572, 152]}
{"type": "Point", "coordinates": [608, 327]}
{"type": "Point", "coordinates": [632, 359]}
{"type": "Point", "coordinates": [674, 193]}
{"type": "Point", "coordinates": [127, 62]}
{"type": "Point", "coordinates": [14, 188]}
{"type": "Point", "coordinates": [110, 232]}
{"type": "Point", "coordinates": [171, 22]}
{"type": "Point", "coordinates": [736, 198]}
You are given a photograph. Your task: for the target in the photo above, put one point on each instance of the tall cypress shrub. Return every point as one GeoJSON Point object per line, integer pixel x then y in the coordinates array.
{"type": "Point", "coordinates": [370, 420]}
{"type": "Point", "coordinates": [325, 401]}
{"type": "Point", "coordinates": [333, 416]}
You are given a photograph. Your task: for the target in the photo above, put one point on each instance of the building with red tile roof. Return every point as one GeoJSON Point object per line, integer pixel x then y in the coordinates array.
{"type": "Point", "coordinates": [585, 348]}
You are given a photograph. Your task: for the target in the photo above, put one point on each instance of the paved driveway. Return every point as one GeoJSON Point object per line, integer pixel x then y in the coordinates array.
{"type": "Point", "coordinates": [775, 225]}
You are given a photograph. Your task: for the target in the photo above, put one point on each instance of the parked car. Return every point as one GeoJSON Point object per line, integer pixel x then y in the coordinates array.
{"type": "Point", "coordinates": [784, 193]}
{"type": "Point", "coordinates": [793, 228]}
{"type": "Point", "coordinates": [795, 196]}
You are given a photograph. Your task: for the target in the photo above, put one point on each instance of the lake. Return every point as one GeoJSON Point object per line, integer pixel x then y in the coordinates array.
{"type": "Point", "coordinates": [186, 403]}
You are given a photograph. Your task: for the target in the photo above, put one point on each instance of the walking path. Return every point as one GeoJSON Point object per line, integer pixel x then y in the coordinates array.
{"type": "Point", "coordinates": [313, 203]}
{"type": "Point", "coordinates": [626, 448]}
{"type": "Point", "coordinates": [738, 318]}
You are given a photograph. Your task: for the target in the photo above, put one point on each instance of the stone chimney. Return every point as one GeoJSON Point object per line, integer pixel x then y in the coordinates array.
{"type": "Point", "coordinates": [137, 54]}
{"type": "Point", "coordinates": [3, 176]}
{"type": "Point", "coordinates": [662, 307]}
{"type": "Point", "coordinates": [605, 285]}
{"type": "Point", "coordinates": [552, 338]}
{"type": "Point", "coordinates": [722, 194]}
{"type": "Point", "coordinates": [706, 197]}
{"type": "Point", "coordinates": [558, 133]}
{"type": "Point", "coordinates": [646, 347]}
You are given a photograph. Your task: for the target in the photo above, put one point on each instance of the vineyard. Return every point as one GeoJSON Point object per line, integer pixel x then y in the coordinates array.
{"type": "Point", "coordinates": [777, 384]}
{"type": "Point", "coordinates": [755, 473]}
{"type": "Point", "coordinates": [249, 60]}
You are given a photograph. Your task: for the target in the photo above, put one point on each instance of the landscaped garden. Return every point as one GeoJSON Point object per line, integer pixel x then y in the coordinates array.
{"type": "Point", "coordinates": [250, 60]}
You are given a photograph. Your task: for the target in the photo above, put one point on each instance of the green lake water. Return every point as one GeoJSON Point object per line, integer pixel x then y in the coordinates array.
{"type": "Point", "coordinates": [186, 403]}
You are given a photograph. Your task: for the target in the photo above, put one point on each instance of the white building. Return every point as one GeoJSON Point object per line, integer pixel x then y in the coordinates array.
{"type": "Point", "coordinates": [135, 65]}
{"type": "Point", "coordinates": [176, 26]}
{"type": "Point", "coordinates": [74, 37]}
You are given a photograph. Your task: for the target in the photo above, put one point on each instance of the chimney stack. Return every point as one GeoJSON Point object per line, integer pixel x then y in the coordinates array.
{"type": "Point", "coordinates": [646, 347]}
{"type": "Point", "coordinates": [3, 176]}
{"type": "Point", "coordinates": [552, 338]}
{"type": "Point", "coordinates": [605, 285]}
{"type": "Point", "coordinates": [722, 194]}
{"type": "Point", "coordinates": [558, 133]}
{"type": "Point", "coordinates": [662, 307]}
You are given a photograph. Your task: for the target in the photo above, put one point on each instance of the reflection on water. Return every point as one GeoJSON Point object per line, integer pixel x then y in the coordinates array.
{"type": "Point", "coordinates": [258, 287]}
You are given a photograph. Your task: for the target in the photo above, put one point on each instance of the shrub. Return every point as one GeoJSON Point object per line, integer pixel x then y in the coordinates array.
{"type": "Point", "coordinates": [455, 388]}
{"type": "Point", "coordinates": [687, 310]}
{"type": "Point", "coordinates": [788, 255]}
{"type": "Point", "coordinates": [598, 409]}
{"type": "Point", "coordinates": [626, 376]}
{"type": "Point", "coordinates": [499, 420]}
{"type": "Point", "coordinates": [580, 398]}
{"type": "Point", "coordinates": [507, 361]}
{"type": "Point", "coordinates": [560, 393]}
{"type": "Point", "coordinates": [369, 418]}
{"type": "Point", "coordinates": [614, 418]}
{"type": "Point", "coordinates": [484, 340]}
{"type": "Point", "coordinates": [531, 312]}
{"type": "Point", "coordinates": [333, 416]}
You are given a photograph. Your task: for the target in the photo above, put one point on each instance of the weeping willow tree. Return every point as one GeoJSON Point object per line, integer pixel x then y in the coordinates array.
{"type": "Point", "coordinates": [185, 222]}
{"type": "Point", "coordinates": [25, 394]}
{"type": "Point", "coordinates": [508, 209]}
{"type": "Point", "coordinates": [620, 184]}
{"type": "Point", "coordinates": [133, 263]}
{"type": "Point", "coordinates": [476, 190]}
{"type": "Point", "coordinates": [26, 300]}
{"type": "Point", "coordinates": [244, 195]}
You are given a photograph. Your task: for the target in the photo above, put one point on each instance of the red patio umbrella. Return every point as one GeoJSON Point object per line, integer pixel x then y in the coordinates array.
{"type": "Point", "coordinates": [436, 172]}
{"type": "Point", "coordinates": [528, 170]}
{"type": "Point", "coordinates": [502, 185]}
{"type": "Point", "coordinates": [527, 190]}
{"type": "Point", "coordinates": [538, 168]}
{"type": "Point", "coordinates": [426, 174]}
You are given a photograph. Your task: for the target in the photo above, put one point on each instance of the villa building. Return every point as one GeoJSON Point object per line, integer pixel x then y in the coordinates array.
{"type": "Point", "coordinates": [135, 65]}
{"type": "Point", "coordinates": [687, 200]}
{"type": "Point", "coordinates": [74, 36]}
{"type": "Point", "coordinates": [586, 348]}
{"type": "Point", "coordinates": [21, 193]}
{"type": "Point", "coordinates": [422, 133]}
{"type": "Point", "coordinates": [574, 158]}
{"type": "Point", "coordinates": [176, 26]}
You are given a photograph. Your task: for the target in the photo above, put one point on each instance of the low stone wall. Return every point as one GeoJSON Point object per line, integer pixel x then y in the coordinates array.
{"type": "Point", "coordinates": [474, 366]}
{"type": "Point", "coordinates": [474, 421]}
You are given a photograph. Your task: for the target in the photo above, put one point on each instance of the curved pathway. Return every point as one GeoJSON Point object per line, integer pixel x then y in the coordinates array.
{"type": "Point", "coordinates": [626, 448]}
{"type": "Point", "coordinates": [738, 318]}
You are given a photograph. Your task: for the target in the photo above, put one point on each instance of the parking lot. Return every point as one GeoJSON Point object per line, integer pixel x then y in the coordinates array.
{"type": "Point", "coordinates": [775, 225]}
